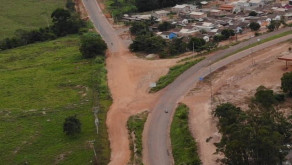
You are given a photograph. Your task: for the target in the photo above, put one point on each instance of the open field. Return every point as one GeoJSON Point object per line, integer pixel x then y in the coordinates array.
{"type": "Point", "coordinates": [28, 14]}
{"type": "Point", "coordinates": [40, 85]}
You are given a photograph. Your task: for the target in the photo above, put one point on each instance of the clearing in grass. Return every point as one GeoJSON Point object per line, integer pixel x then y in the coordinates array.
{"type": "Point", "coordinates": [42, 84]}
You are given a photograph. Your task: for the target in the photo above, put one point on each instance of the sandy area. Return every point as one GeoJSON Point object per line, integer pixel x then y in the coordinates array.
{"type": "Point", "coordinates": [129, 78]}
{"type": "Point", "coordinates": [233, 83]}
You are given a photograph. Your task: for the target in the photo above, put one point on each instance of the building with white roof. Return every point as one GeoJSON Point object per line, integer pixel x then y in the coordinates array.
{"type": "Point", "coordinates": [198, 15]}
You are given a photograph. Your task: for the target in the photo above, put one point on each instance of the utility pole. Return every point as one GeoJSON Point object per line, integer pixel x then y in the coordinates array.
{"type": "Point", "coordinates": [193, 47]}
{"type": "Point", "coordinates": [210, 70]}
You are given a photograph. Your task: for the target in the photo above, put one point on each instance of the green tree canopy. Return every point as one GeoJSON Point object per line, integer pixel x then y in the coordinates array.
{"type": "Point", "coordinates": [227, 33]}
{"type": "Point", "coordinates": [196, 44]}
{"type": "Point", "coordinates": [165, 26]}
{"type": "Point", "coordinates": [92, 45]}
{"type": "Point", "coordinates": [253, 13]}
{"type": "Point", "coordinates": [72, 125]}
{"type": "Point", "coordinates": [254, 26]}
{"type": "Point", "coordinates": [286, 82]}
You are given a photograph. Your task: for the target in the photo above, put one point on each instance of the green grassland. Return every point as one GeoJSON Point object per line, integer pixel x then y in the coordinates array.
{"type": "Point", "coordinates": [26, 14]}
{"type": "Point", "coordinates": [40, 85]}
{"type": "Point", "coordinates": [184, 147]}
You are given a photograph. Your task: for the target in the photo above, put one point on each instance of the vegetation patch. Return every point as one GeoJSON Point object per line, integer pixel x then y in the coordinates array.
{"type": "Point", "coordinates": [173, 73]}
{"type": "Point", "coordinates": [184, 147]}
{"type": "Point", "coordinates": [26, 15]}
{"type": "Point", "coordinates": [260, 135]}
{"type": "Point", "coordinates": [136, 126]}
{"type": "Point", "coordinates": [42, 84]}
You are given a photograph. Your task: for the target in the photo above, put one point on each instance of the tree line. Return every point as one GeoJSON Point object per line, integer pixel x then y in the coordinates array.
{"type": "Point", "coordinates": [65, 21]}
{"type": "Point", "coordinates": [260, 135]}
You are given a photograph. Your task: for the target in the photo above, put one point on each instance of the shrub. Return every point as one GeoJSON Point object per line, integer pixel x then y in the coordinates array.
{"type": "Point", "coordinates": [92, 45]}
{"type": "Point", "coordinates": [72, 126]}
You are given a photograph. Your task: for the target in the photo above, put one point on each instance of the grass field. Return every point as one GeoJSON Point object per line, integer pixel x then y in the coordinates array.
{"type": "Point", "coordinates": [40, 85]}
{"type": "Point", "coordinates": [184, 147]}
{"type": "Point", "coordinates": [26, 14]}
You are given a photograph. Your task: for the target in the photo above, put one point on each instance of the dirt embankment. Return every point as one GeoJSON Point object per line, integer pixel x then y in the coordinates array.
{"type": "Point", "coordinates": [235, 83]}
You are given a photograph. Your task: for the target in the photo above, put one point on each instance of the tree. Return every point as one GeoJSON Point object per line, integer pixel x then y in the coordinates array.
{"type": "Point", "coordinates": [165, 26]}
{"type": "Point", "coordinates": [254, 26]}
{"type": "Point", "coordinates": [274, 24]}
{"type": "Point", "coordinates": [252, 137]}
{"type": "Point", "coordinates": [65, 23]}
{"type": "Point", "coordinates": [70, 5]}
{"type": "Point", "coordinates": [72, 125]}
{"type": "Point", "coordinates": [227, 33]}
{"type": "Point", "coordinates": [196, 43]}
{"type": "Point", "coordinates": [253, 13]}
{"type": "Point", "coordinates": [218, 38]}
{"type": "Point", "coordinates": [265, 97]}
{"type": "Point", "coordinates": [92, 45]}
{"type": "Point", "coordinates": [286, 83]}
{"type": "Point", "coordinates": [139, 28]}
{"type": "Point", "coordinates": [177, 46]}
{"type": "Point", "coordinates": [148, 43]}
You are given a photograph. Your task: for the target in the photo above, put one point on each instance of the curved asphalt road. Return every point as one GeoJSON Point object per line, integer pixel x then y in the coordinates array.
{"type": "Point", "coordinates": [157, 142]}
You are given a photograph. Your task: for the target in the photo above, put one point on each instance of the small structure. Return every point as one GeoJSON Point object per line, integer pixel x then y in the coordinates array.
{"type": "Point", "coordinates": [227, 8]}
{"type": "Point", "coordinates": [180, 8]}
{"type": "Point", "coordinates": [198, 15]}
{"type": "Point", "coordinates": [286, 58]}
{"type": "Point", "coordinates": [215, 12]}
{"type": "Point", "coordinates": [160, 13]}
{"type": "Point", "coordinates": [167, 35]}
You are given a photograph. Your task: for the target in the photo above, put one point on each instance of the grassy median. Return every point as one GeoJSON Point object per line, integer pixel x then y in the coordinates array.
{"type": "Point", "coordinates": [184, 147]}
{"type": "Point", "coordinates": [136, 126]}
{"type": "Point", "coordinates": [173, 73]}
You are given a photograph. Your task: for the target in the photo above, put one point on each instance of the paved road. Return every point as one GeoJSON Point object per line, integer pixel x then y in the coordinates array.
{"type": "Point", "coordinates": [102, 25]}
{"type": "Point", "coordinates": [157, 140]}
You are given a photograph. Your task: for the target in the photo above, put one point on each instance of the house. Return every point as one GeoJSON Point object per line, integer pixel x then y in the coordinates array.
{"type": "Point", "coordinates": [160, 13]}
{"type": "Point", "coordinates": [167, 35]}
{"type": "Point", "coordinates": [180, 8]}
{"type": "Point", "coordinates": [188, 30]}
{"type": "Point", "coordinates": [288, 16]}
{"type": "Point", "coordinates": [215, 12]}
{"type": "Point", "coordinates": [227, 8]}
{"type": "Point", "coordinates": [198, 15]}
{"type": "Point", "coordinates": [205, 26]}
{"type": "Point", "coordinates": [256, 3]}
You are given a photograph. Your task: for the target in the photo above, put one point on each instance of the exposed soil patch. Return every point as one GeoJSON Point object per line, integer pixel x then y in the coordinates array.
{"type": "Point", "coordinates": [235, 83]}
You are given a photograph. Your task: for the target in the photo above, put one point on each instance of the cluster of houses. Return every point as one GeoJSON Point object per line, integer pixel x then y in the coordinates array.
{"type": "Point", "coordinates": [210, 18]}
